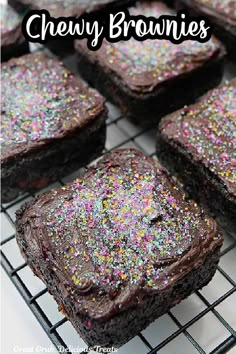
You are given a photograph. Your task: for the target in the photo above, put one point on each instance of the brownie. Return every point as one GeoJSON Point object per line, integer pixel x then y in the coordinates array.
{"type": "Point", "coordinates": [58, 8]}
{"type": "Point", "coordinates": [13, 43]}
{"type": "Point", "coordinates": [152, 78]}
{"type": "Point", "coordinates": [66, 8]}
{"type": "Point", "coordinates": [118, 247]}
{"type": "Point", "coordinates": [51, 123]}
{"type": "Point", "coordinates": [198, 144]}
{"type": "Point", "coordinates": [221, 13]}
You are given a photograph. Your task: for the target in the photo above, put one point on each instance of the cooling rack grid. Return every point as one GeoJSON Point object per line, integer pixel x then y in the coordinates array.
{"type": "Point", "coordinates": [204, 323]}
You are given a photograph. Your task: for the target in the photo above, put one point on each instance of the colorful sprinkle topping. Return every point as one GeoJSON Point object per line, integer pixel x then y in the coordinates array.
{"type": "Point", "coordinates": [41, 100]}
{"type": "Point", "coordinates": [208, 130]}
{"type": "Point", "coordinates": [226, 7]}
{"type": "Point", "coordinates": [9, 19]}
{"type": "Point", "coordinates": [143, 65]}
{"type": "Point", "coordinates": [85, 5]}
{"type": "Point", "coordinates": [124, 223]}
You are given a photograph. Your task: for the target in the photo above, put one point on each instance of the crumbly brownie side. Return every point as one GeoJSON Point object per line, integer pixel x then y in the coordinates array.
{"type": "Point", "coordinates": [143, 84]}
{"type": "Point", "coordinates": [147, 109]}
{"type": "Point", "coordinates": [13, 43]}
{"type": "Point", "coordinates": [209, 179]}
{"type": "Point", "coordinates": [127, 324]}
{"type": "Point", "coordinates": [51, 124]}
{"type": "Point", "coordinates": [222, 14]}
{"type": "Point", "coordinates": [118, 268]}
{"type": "Point", "coordinates": [38, 169]}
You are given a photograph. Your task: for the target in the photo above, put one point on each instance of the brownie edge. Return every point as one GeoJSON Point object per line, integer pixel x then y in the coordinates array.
{"type": "Point", "coordinates": [197, 144]}
{"type": "Point", "coordinates": [111, 332]}
{"type": "Point", "coordinates": [13, 43]}
{"type": "Point", "coordinates": [222, 15]}
{"type": "Point", "coordinates": [142, 85]}
{"type": "Point", "coordinates": [67, 8]}
{"type": "Point", "coordinates": [131, 306]}
{"type": "Point", "coordinates": [51, 124]}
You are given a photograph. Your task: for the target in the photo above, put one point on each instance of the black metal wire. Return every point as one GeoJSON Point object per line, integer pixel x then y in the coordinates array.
{"type": "Point", "coordinates": [52, 329]}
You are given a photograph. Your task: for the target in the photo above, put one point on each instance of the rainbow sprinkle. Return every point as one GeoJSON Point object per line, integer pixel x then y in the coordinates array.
{"type": "Point", "coordinates": [9, 19]}
{"type": "Point", "coordinates": [208, 129]}
{"type": "Point", "coordinates": [143, 65]}
{"type": "Point", "coordinates": [125, 222]}
{"type": "Point", "coordinates": [41, 100]}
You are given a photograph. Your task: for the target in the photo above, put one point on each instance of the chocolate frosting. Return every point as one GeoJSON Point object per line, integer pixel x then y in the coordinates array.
{"type": "Point", "coordinates": [121, 232]}
{"type": "Point", "coordinates": [42, 102]}
{"type": "Point", "coordinates": [206, 130]}
{"type": "Point", "coordinates": [143, 66]}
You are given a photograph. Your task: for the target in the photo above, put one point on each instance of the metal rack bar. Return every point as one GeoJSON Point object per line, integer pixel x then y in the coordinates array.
{"type": "Point", "coordinates": [14, 273]}
{"type": "Point", "coordinates": [225, 346]}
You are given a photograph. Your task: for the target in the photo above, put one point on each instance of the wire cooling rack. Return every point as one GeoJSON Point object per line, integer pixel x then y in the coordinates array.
{"type": "Point", "coordinates": [204, 323]}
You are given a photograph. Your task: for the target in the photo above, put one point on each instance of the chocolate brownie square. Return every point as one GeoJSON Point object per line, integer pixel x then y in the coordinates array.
{"type": "Point", "coordinates": [66, 8]}
{"type": "Point", "coordinates": [13, 43]}
{"type": "Point", "coordinates": [152, 78]}
{"type": "Point", "coordinates": [222, 14]}
{"type": "Point", "coordinates": [118, 247]}
{"type": "Point", "coordinates": [51, 123]}
{"type": "Point", "coordinates": [198, 143]}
